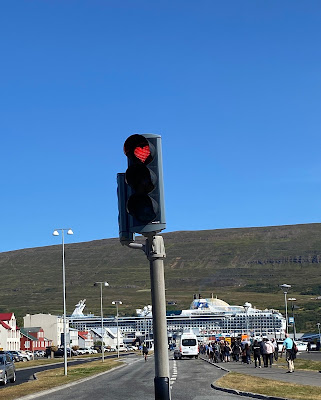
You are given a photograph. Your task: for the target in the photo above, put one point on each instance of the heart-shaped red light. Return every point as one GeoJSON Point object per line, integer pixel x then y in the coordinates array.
{"type": "Point", "coordinates": [142, 153]}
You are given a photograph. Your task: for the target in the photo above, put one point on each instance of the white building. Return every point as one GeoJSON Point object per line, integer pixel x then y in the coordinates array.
{"type": "Point", "coordinates": [109, 336]}
{"type": "Point", "coordinates": [9, 333]}
{"type": "Point", "coordinates": [52, 325]}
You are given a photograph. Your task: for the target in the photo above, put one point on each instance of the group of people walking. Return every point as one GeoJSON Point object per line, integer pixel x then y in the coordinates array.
{"type": "Point", "coordinates": [263, 352]}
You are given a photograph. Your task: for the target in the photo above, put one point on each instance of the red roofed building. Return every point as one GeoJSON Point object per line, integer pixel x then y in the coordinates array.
{"type": "Point", "coordinates": [9, 333]}
{"type": "Point", "coordinates": [33, 339]}
{"type": "Point", "coordinates": [85, 340]}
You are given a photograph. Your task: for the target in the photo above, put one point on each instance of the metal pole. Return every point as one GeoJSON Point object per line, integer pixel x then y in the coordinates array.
{"type": "Point", "coordinates": [102, 321]}
{"type": "Point", "coordinates": [117, 331]}
{"type": "Point", "coordinates": [155, 251]}
{"type": "Point", "coordinates": [286, 313]}
{"type": "Point", "coordinates": [64, 301]}
{"type": "Point", "coordinates": [294, 330]}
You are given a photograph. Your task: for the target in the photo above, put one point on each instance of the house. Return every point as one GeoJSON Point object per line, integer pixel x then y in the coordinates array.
{"type": "Point", "coordinates": [52, 325]}
{"type": "Point", "coordinates": [109, 336]}
{"type": "Point", "coordinates": [85, 340]}
{"type": "Point", "coordinates": [9, 333]}
{"type": "Point", "coordinates": [33, 339]}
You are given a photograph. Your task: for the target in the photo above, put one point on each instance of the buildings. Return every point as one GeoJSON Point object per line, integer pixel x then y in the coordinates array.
{"type": "Point", "coordinates": [52, 325]}
{"type": "Point", "coordinates": [9, 333]}
{"type": "Point", "coordinates": [33, 339]}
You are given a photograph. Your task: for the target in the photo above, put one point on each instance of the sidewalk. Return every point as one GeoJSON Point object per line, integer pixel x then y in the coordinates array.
{"type": "Point", "coordinates": [310, 378]}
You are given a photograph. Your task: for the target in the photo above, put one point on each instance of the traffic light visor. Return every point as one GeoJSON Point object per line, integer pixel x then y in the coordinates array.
{"type": "Point", "coordinates": [138, 149]}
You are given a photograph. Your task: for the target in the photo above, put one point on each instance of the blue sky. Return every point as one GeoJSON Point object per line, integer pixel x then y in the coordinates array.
{"type": "Point", "coordinates": [233, 88]}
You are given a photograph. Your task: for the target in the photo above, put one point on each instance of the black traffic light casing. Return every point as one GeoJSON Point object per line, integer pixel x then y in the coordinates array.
{"type": "Point", "coordinates": [123, 221]}
{"type": "Point", "coordinates": [141, 190]}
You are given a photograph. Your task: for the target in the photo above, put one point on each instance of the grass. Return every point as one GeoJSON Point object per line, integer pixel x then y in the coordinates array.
{"type": "Point", "coordinates": [301, 364]}
{"type": "Point", "coordinates": [269, 387]}
{"type": "Point", "coordinates": [44, 361]}
{"type": "Point", "coordinates": [55, 377]}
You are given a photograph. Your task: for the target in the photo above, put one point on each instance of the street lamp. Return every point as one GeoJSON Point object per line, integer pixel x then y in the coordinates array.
{"type": "Point", "coordinates": [246, 307]}
{"type": "Point", "coordinates": [116, 302]}
{"type": "Point", "coordinates": [285, 289]}
{"type": "Point", "coordinates": [292, 299]}
{"type": "Point", "coordinates": [56, 233]}
{"type": "Point", "coordinates": [101, 314]}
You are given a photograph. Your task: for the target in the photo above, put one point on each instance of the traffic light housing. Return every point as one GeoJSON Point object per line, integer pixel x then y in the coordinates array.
{"type": "Point", "coordinates": [141, 188]}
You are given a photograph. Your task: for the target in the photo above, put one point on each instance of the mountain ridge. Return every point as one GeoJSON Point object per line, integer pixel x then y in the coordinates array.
{"type": "Point", "coordinates": [237, 264]}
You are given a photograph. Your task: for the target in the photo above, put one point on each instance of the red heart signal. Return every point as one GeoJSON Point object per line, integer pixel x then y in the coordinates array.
{"type": "Point", "coordinates": [142, 153]}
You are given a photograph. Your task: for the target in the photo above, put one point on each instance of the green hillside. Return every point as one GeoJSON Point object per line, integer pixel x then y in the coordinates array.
{"type": "Point", "coordinates": [237, 265]}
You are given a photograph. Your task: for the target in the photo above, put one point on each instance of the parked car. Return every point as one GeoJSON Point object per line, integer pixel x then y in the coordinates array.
{"type": "Point", "coordinates": [25, 356]}
{"type": "Point", "coordinates": [16, 355]}
{"type": "Point", "coordinates": [302, 346]}
{"type": "Point", "coordinates": [7, 369]}
{"type": "Point", "coordinates": [131, 348]}
{"type": "Point", "coordinates": [81, 352]}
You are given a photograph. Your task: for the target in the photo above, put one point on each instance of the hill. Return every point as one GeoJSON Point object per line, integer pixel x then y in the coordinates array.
{"type": "Point", "coordinates": [237, 265]}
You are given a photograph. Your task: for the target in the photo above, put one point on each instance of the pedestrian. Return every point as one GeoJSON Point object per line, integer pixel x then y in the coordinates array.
{"type": "Point", "coordinates": [236, 351]}
{"type": "Point", "coordinates": [145, 352]}
{"type": "Point", "coordinates": [309, 347]}
{"type": "Point", "coordinates": [227, 351]}
{"type": "Point", "coordinates": [268, 351]}
{"type": "Point", "coordinates": [210, 352]}
{"type": "Point", "coordinates": [276, 349]}
{"type": "Point", "coordinates": [247, 353]}
{"type": "Point", "coordinates": [289, 355]}
{"type": "Point", "coordinates": [257, 353]}
{"type": "Point", "coordinates": [217, 349]}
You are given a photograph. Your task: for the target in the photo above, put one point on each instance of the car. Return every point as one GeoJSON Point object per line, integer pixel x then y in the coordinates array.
{"type": "Point", "coordinates": [302, 346]}
{"type": "Point", "coordinates": [16, 355]}
{"type": "Point", "coordinates": [25, 356]}
{"type": "Point", "coordinates": [132, 348]}
{"type": "Point", "coordinates": [188, 346]}
{"type": "Point", "coordinates": [7, 369]}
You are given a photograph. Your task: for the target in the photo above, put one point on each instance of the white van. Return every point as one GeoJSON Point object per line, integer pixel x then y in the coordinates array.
{"type": "Point", "coordinates": [188, 346]}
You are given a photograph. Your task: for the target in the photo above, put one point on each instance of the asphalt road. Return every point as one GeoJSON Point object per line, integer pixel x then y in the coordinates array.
{"type": "Point", "coordinates": [190, 380]}
{"type": "Point", "coordinates": [27, 374]}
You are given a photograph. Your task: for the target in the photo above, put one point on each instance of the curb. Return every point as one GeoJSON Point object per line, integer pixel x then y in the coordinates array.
{"type": "Point", "coordinates": [240, 392]}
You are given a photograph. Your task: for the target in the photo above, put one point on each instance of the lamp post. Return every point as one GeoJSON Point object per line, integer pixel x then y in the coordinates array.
{"type": "Point", "coordinates": [285, 289]}
{"type": "Point", "coordinates": [101, 284]}
{"type": "Point", "coordinates": [292, 299]}
{"type": "Point", "coordinates": [246, 307]}
{"type": "Point", "coordinates": [56, 233]}
{"type": "Point", "coordinates": [116, 302]}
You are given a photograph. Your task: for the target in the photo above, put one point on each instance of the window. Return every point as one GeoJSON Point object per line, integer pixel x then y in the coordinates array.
{"type": "Point", "coordinates": [189, 342]}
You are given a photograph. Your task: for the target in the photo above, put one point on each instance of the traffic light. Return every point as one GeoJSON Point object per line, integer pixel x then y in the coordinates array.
{"type": "Point", "coordinates": [141, 188]}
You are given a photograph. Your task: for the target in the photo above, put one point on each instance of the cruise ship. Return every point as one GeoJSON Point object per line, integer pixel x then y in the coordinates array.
{"type": "Point", "coordinates": [207, 317]}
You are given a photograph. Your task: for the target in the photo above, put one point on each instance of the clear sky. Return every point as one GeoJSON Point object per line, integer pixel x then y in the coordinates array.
{"type": "Point", "coordinates": [233, 87]}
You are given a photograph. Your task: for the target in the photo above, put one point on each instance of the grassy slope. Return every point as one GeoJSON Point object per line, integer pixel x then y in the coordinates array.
{"type": "Point", "coordinates": [237, 265]}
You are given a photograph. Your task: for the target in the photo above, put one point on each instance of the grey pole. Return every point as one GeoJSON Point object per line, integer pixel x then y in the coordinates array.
{"type": "Point", "coordinates": [56, 233]}
{"type": "Point", "coordinates": [117, 302]}
{"type": "Point", "coordinates": [64, 300]}
{"type": "Point", "coordinates": [102, 316]}
{"type": "Point", "coordinates": [102, 322]}
{"type": "Point", "coordinates": [155, 252]}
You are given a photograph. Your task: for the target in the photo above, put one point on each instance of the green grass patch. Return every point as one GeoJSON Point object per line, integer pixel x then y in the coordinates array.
{"type": "Point", "coordinates": [269, 387]}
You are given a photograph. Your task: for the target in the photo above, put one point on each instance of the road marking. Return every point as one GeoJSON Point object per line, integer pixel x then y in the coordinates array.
{"type": "Point", "coordinates": [174, 375]}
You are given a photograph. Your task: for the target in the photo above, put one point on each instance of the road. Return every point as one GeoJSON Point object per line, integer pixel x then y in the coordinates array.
{"type": "Point", "coordinates": [190, 380]}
